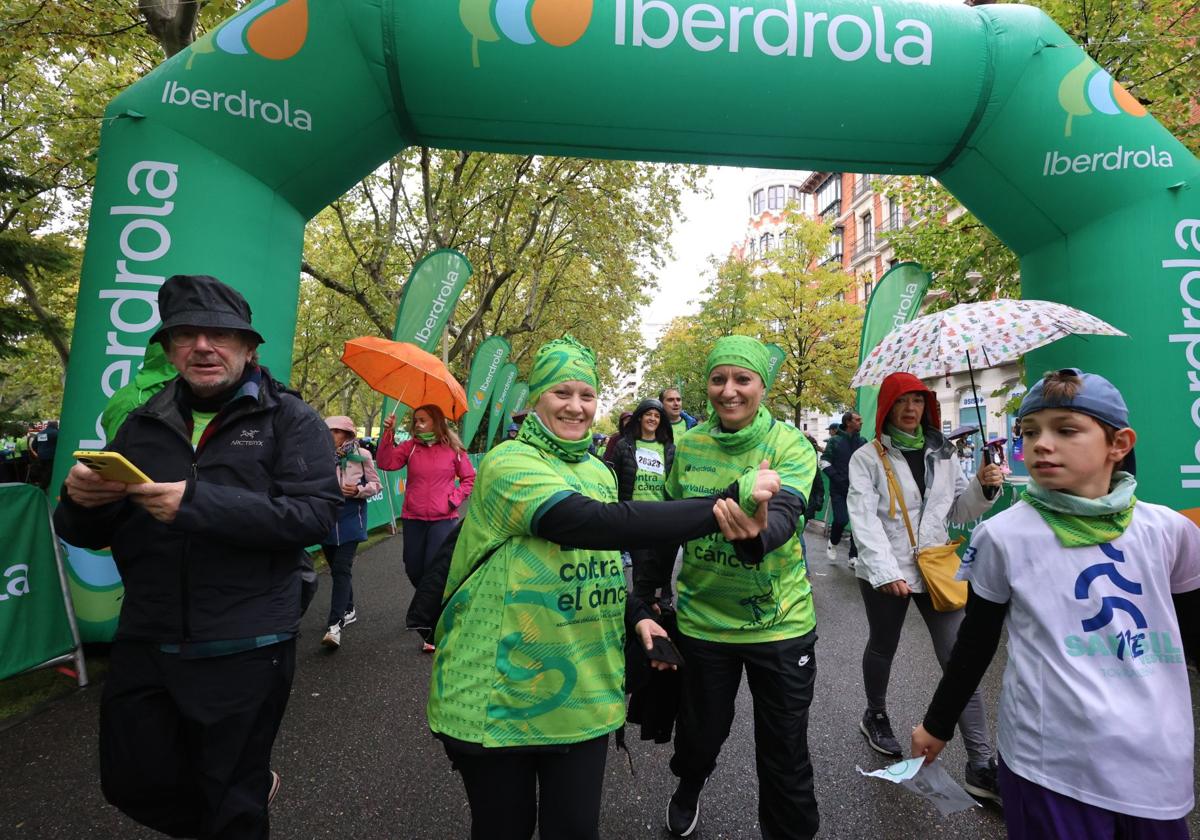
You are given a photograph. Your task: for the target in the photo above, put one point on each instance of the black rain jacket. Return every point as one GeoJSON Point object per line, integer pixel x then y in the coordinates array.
{"type": "Point", "coordinates": [260, 488]}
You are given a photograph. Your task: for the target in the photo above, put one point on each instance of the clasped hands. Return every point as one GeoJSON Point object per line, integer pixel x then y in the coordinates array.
{"type": "Point", "coordinates": [735, 524]}
{"type": "Point", "coordinates": [160, 499]}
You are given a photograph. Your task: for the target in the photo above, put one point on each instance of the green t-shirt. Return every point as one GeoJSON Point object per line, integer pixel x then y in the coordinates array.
{"type": "Point", "coordinates": [678, 428]}
{"type": "Point", "coordinates": [200, 421]}
{"type": "Point", "coordinates": [720, 598]}
{"type": "Point", "coordinates": [530, 651]}
{"type": "Point", "coordinates": [651, 471]}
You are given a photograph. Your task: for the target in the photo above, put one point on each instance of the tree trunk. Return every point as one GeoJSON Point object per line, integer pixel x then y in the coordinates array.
{"type": "Point", "coordinates": [171, 22]}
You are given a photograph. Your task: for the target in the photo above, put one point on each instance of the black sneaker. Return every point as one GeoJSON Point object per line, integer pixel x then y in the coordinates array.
{"type": "Point", "coordinates": [981, 781]}
{"type": "Point", "coordinates": [683, 811]}
{"type": "Point", "coordinates": [878, 729]}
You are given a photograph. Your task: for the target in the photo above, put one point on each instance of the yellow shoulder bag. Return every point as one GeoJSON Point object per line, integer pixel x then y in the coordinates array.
{"type": "Point", "coordinates": [938, 564]}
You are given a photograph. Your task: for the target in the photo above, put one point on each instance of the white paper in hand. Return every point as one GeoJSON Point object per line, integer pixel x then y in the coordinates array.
{"type": "Point", "coordinates": [898, 772]}
{"type": "Point", "coordinates": [934, 784]}
{"type": "Point", "coordinates": [930, 782]}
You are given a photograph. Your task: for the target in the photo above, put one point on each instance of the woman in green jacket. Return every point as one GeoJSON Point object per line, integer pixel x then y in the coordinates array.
{"type": "Point", "coordinates": [528, 676]}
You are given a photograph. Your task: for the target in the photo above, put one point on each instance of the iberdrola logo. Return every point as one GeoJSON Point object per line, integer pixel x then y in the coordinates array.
{"type": "Point", "coordinates": [558, 23]}
{"type": "Point", "coordinates": [1088, 86]}
{"type": "Point", "coordinates": [481, 396]}
{"type": "Point", "coordinates": [274, 29]}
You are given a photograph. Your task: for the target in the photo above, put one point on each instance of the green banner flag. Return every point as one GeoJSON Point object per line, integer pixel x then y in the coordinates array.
{"type": "Point", "coordinates": [895, 301]}
{"type": "Point", "coordinates": [425, 307]}
{"type": "Point", "coordinates": [517, 397]}
{"type": "Point", "coordinates": [505, 380]}
{"type": "Point", "coordinates": [34, 626]}
{"type": "Point", "coordinates": [485, 369]}
{"type": "Point", "coordinates": [774, 361]}
{"type": "Point", "coordinates": [428, 299]}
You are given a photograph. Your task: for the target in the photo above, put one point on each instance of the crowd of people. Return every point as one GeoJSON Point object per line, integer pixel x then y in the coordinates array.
{"type": "Point", "coordinates": [27, 453]}
{"type": "Point", "coordinates": [533, 626]}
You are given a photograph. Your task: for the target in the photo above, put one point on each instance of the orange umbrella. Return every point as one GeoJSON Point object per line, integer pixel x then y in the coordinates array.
{"type": "Point", "coordinates": [406, 373]}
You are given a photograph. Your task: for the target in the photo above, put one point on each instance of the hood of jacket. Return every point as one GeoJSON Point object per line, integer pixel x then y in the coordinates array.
{"type": "Point", "coordinates": [895, 386]}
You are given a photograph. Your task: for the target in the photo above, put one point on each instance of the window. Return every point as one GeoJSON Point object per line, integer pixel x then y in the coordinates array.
{"type": "Point", "coordinates": [868, 286]}
{"type": "Point", "coordinates": [753, 247]}
{"type": "Point", "coordinates": [758, 202]}
{"type": "Point", "coordinates": [783, 240]}
{"type": "Point", "coordinates": [768, 242]}
{"type": "Point", "coordinates": [830, 193]}
{"type": "Point", "coordinates": [795, 195]}
{"type": "Point", "coordinates": [893, 214]}
{"type": "Point", "coordinates": [866, 233]}
{"type": "Point", "coordinates": [775, 197]}
{"type": "Point", "coordinates": [836, 243]}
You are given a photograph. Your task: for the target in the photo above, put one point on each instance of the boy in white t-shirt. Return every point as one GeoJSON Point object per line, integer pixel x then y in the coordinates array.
{"type": "Point", "coordinates": [1101, 596]}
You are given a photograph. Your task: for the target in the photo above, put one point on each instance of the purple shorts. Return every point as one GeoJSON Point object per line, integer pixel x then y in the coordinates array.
{"type": "Point", "coordinates": [1032, 812]}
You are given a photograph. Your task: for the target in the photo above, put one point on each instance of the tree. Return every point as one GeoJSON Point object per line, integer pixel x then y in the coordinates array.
{"type": "Point", "coordinates": [1149, 46]}
{"type": "Point", "coordinates": [557, 245]}
{"type": "Point", "coordinates": [802, 307]}
{"type": "Point", "coordinates": [677, 361]}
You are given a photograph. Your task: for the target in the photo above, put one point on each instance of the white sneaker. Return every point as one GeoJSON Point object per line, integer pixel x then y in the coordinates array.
{"type": "Point", "coordinates": [349, 618]}
{"type": "Point", "coordinates": [830, 552]}
{"type": "Point", "coordinates": [333, 637]}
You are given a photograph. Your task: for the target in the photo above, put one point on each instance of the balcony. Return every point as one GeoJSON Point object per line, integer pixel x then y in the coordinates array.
{"type": "Point", "coordinates": [863, 248]}
{"type": "Point", "coordinates": [861, 187]}
{"type": "Point", "coordinates": [831, 210]}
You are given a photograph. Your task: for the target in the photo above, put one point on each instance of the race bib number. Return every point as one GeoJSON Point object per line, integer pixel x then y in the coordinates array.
{"type": "Point", "coordinates": [650, 461]}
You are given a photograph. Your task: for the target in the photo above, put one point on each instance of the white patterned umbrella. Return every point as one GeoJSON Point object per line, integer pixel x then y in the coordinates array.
{"type": "Point", "coordinates": [974, 335]}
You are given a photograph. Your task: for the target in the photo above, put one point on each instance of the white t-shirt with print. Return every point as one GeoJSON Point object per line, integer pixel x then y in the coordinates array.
{"type": "Point", "coordinates": [1095, 703]}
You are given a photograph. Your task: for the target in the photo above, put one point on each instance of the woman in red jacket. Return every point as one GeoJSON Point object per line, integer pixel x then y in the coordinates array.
{"type": "Point", "coordinates": [435, 457]}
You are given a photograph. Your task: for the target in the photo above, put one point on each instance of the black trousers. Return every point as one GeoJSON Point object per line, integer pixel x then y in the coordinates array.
{"type": "Point", "coordinates": [511, 793]}
{"type": "Point", "coordinates": [185, 744]}
{"type": "Point", "coordinates": [781, 676]}
{"type": "Point", "coordinates": [841, 518]}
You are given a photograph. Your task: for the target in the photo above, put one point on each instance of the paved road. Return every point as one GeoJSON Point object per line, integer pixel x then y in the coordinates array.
{"type": "Point", "coordinates": [358, 762]}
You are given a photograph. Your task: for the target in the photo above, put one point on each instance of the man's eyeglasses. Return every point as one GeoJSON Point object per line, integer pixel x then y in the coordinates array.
{"type": "Point", "coordinates": [188, 336]}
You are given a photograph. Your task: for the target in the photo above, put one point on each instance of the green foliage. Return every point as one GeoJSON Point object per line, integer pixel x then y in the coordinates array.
{"type": "Point", "coordinates": [557, 245]}
{"type": "Point", "coordinates": [802, 308]}
{"type": "Point", "coordinates": [790, 300]}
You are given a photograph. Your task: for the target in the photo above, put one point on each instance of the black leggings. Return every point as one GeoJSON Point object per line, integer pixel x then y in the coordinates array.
{"type": "Point", "coordinates": [503, 790]}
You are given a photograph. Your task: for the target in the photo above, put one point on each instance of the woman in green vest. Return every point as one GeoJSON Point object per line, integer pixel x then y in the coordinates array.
{"type": "Point", "coordinates": [528, 676]}
{"type": "Point", "coordinates": [747, 604]}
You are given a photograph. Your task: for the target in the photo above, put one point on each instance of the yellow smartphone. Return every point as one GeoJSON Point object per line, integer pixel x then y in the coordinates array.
{"type": "Point", "coordinates": [112, 466]}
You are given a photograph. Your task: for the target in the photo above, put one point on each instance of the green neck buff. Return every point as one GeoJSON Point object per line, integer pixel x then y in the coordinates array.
{"type": "Point", "coordinates": [1077, 521]}
{"type": "Point", "coordinates": [535, 433]}
{"type": "Point", "coordinates": [903, 440]}
{"type": "Point", "coordinates": [745, 438]}
{"type": "Point", "coordinates": [427, 438]}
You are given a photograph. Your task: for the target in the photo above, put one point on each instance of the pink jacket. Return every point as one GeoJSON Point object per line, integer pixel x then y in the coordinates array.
{"type": "Point", "coordinates": [430, 492]}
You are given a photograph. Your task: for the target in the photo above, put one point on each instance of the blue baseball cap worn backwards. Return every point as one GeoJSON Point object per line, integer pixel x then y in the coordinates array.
{"type": "Point", "coordinates": [1098, 398]}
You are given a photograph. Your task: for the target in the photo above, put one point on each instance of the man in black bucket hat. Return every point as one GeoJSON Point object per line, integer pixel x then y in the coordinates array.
{"type": "Point", "coordinates": [211, 553]}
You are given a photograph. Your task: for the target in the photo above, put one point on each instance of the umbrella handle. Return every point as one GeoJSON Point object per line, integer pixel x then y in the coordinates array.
{"type": "Point", "coordinates": [989, 492]}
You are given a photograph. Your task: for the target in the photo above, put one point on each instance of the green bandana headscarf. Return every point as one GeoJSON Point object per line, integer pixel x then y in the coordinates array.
{"type": "Point", "coordinates": [1077, 521]}
{"type": "Point", "coordinates": [903, 440]}
{"type": "Point", "coordinates": [561, 360]}
{"type": "Point", "coordinates": [535, 433]}
{"type": "Point", "coordinates": [740, 350]}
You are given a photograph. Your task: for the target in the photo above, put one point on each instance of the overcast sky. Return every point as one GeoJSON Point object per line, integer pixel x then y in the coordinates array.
{"type": "Point", "coordinates": [707, 227]}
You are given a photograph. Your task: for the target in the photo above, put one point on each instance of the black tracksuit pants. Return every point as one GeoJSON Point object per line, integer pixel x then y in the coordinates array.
{"type": "Point", "coordinates": [185, 744]}
{"type": "Point", "coordinates": [781, 676]}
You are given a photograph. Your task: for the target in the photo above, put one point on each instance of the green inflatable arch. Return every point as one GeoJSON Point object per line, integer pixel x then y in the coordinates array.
{"type": "Point", "coordinates": [215, 160]}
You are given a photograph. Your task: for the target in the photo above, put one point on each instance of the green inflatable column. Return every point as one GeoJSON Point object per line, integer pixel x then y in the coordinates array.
{"type": "Point", "coordinates": [211, 165]}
